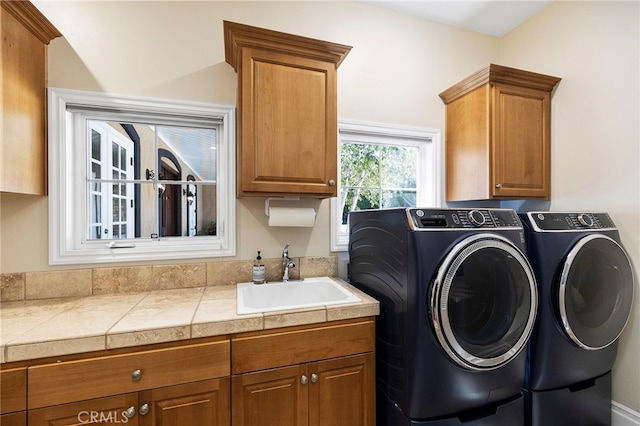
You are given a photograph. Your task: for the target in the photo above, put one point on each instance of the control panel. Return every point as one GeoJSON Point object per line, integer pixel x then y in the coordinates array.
{"type": "Point", "coordinates": [554, 221]}
{"type": "Point", "coordinates": [463, 218]}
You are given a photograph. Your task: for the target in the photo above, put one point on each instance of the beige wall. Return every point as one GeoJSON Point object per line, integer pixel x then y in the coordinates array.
{"type": "Point", "coordinates": [595, 48]}
{"type": "Point", "coordinates": [393, 75]}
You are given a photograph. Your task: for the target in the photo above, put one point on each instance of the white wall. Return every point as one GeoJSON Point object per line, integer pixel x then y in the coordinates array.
{"type": "Point", "coordinates": [164, 49]}
{"type": "Point", "coordinates": [595, 48]}
{"type": "Point", "coordinates": [394, 73]}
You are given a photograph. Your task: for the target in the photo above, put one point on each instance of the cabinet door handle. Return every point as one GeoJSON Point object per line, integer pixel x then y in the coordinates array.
{"type": "Point", "coordinates": [314, 378]}
{"type": "Point", "coordinates": [144, 409]}
{"type": "Point", "coordinates": [332, 182]}
{"type": "Point", "coordinates": [136, 375]}
{"type": "Point", "coordinates": [304, 379]}
{"type": "Point", "coordinates": [129, 412]}
{"type": "Point", "coordinates": [498, 185]}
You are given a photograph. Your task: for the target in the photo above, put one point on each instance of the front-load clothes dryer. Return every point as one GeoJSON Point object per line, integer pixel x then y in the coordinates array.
{"type": "Point", "coordinates": [458, 302]}
{"type": "Point", "coordinates": [586, 285]}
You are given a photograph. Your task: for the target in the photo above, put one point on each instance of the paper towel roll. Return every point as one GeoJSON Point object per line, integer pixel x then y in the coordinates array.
{"type": "Point", "coordinates": [292, 216]}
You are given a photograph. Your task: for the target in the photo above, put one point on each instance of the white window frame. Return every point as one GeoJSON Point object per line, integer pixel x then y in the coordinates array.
{"type": "Point", "coordinates": [68, 166]}
{"type": "Point", "coordinates": [429, 185]}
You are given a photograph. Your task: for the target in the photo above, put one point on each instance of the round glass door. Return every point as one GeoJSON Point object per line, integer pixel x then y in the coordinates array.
{"type": "Point", "coordinates": [595, 292]}
{"type": "Point", "coordinates": [483, 302]}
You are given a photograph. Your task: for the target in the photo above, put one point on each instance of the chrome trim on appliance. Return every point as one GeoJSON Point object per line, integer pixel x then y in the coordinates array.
{"type": "Point", "coordinates": [562, 290]}
{"type": "Point", "coordinates": [439, 301]}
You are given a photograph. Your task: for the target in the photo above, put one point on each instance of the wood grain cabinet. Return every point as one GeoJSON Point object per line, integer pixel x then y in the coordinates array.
{"type": "Point", "coordinates": [315, 376]}
{"type": "Point", "coordinates": [498, 133]}
{"type": "Point", "coordinates": [287, 111]}
{"type": "Point", "coordinates": [23, 157]}
{"type": "Point", "coordinates": [176, 386]}
{"type": "Point", "coordinates": [13, 397]}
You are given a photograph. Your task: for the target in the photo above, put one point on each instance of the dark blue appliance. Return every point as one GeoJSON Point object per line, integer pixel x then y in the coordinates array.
{"type": "Point", "coordinates": [585, 282]}
{"type": "Point", "coordinates": [458, 302]}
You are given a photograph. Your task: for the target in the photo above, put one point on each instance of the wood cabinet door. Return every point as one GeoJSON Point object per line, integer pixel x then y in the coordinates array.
{"type": "Point", "coordinates": [342, 391]}
{"type": "Point", "coordinates": [14, 419]}
{"type": "Point", "coordinates": [521, 143]}
{"type": "Point", "coordinates": [193, 404]}
{"type": "Point", "coordinates": [13, 390]}
{"type": "Point", "coordinates": [287, 141]}
{"type": "Point", "coordinates": [110, 410]}
{"type": "Point", "coordinates": [277, 397]}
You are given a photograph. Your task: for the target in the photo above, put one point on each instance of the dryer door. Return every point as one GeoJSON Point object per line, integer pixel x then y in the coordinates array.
{"type": "Point", "coordinates": [595, 292]}
{"type": "Point", "coordinates": [483, 302]}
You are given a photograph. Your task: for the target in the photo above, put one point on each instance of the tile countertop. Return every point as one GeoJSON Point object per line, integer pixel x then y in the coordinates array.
{"type": "Point", "coordinates": [54, 327]}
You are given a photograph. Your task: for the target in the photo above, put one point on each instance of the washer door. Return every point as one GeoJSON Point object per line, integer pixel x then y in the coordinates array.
{"type": "Point", "coordinates": [483, 302]}
{"type": "Point", "coordinates": [595, 292]}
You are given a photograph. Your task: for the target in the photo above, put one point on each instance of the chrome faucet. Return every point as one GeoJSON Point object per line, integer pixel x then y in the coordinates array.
{"type": "Point", "coordinates": [287, 263]}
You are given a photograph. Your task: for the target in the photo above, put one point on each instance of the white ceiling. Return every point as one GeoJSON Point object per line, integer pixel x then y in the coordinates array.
{"type": "Point", "coordinates": [492, 17]}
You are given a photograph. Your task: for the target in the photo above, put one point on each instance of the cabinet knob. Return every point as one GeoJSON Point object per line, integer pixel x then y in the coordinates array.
{"type": "Point", "coordinates": [304, 379]}
{"type": "Point", "coordinates": [498, 185]}
{"type": "Point", "coordinates": [314, 378]}
{"type": "Point", "coordinates": [144, 409]}
{"type": "Point", "coordinates": [136, 375]}
{"type": "Point", "coordinates": [129, 412]}
{"type": "Point", "coordinates": [332, 182]}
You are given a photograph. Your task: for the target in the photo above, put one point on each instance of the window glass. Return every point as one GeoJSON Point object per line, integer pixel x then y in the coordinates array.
{"type": "Point", "coordinates": [138, 178]}
{"type": "Point", "coordinates": [383, 166]}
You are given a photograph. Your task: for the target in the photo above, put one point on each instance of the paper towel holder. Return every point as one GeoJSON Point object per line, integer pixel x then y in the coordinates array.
{"type": "Point", "coordinates": [288, 216]}
{"type": "Point", "coordinates": [267, 202]}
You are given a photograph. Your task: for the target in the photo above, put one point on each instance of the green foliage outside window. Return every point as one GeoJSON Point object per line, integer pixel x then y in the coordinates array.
{"type": "Point", "coordinates": [377, 176]}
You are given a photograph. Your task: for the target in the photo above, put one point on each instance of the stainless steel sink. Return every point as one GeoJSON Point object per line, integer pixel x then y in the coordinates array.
{"type": "Point", "coordinates": [279, 296]}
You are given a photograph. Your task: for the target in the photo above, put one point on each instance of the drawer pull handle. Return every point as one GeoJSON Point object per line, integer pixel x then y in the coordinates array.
{"type": "Point", "coordinates": [304, 379]}
{"type": "Point", "coordinates": [136, 375]}
{"type": "Point", "coordinates": [129, 412]}
{"type": "Point", "coordinates": [332, 182]}
{"type": "Point", "coordinates": [144, 409]}
{"type": "Point", "coordinates": [314, 378]}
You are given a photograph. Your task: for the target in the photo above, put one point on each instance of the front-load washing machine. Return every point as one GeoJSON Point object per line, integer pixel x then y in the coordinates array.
{"type": "Point", "coordinates": [586, 285]}
{"type": "Point", "coordinates": [458, 302]}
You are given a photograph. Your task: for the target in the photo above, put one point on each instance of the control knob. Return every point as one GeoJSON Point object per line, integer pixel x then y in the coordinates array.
{"type": "Point", "coordinates": [585, 220]}
{"type": "Point", "coordinates": [476, 218]}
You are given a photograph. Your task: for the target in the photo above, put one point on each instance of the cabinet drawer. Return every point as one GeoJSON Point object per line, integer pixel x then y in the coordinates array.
{"type": "Point", "coordinates": [13, 390]}
{"type": "Point", "coordinates": [110, 375]}
{"type": "Point", "coordinates": [109, 410]}
{"type": "Point", "coordinates": [262, 350]}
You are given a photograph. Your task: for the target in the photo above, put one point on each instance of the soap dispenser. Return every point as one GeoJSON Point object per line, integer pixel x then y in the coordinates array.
{"type": "Point", "coordinates": [258, 270]}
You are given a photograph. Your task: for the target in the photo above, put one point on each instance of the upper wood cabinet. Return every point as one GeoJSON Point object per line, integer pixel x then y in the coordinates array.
{"type": "Point", "coordinates": [498, 133]}
{"type": "Point", "coordinates": [287, 111]}
{"type": "Point", "coordinates": [23, 149]}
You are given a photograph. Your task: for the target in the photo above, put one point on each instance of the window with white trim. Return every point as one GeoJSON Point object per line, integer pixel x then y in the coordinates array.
{"type": "Point", "coordinates": [134, 178]}
{"type": "Point", "coordinates": [382, 166]}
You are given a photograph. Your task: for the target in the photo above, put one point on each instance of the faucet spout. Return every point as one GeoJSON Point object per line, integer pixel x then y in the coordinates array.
{"type": "Point", "coordinates": [287, 263]}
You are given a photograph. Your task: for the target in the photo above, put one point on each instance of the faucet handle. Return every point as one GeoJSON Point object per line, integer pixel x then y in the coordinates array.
{"type": "Point", "coordinates": [285, 252]}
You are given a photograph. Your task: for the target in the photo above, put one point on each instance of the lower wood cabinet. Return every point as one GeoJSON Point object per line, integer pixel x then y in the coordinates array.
{"type": "Point", "coordinates": [305, 376]}
{"type": "Point", "coordinates": [200, 403]}
{"type": "Point", "coordinates": [314, 375]}
{"type": "Point", "coordinates": [186, 384]}
{"type": "Point", "coordinates": [13, 397]}
{"type": "Point", "coordinates": [337, 392]}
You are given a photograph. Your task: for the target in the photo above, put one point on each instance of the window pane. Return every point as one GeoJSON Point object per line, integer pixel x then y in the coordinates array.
{"type": "Point", "coordinates": [398, 199]}
{"type": "Point", "coordinates": [360, 165]}
{"type": "Point", "coordinates": [95, 145]}
{"type": "Point", "coordinates": [359, 199]}
{"type": "Point", "coordinates": [399, 167]}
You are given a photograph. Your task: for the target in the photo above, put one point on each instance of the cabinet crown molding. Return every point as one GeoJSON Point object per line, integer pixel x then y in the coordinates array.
{"type": "Point", "coordinates": [29, 16]}
{"type": "Point", "coordinates": [500, 74]}
{"type": "Point", "coordinates": [237, 36]}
